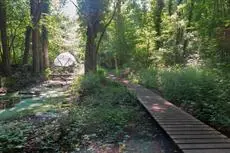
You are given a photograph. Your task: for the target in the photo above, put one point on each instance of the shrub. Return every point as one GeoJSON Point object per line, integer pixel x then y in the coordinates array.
{"type": "Point", "coordinates": [192, 87]}
{"type": "Point", "coordinates": [199, 91]}
{"type": "Point", "coordinates": [88, 83]}
{"type": "Point", "coordinates": [187, 85]}
{"type": "Point", "coordinates": [149, 77]}
{"type": "Point", "coordinates": [103, 113]}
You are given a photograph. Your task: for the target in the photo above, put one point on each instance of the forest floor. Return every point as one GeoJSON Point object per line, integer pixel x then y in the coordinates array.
{"type": "Point", "coordinates": [30, 102]}
{"type": "Point", "coordinates": [56, 121]}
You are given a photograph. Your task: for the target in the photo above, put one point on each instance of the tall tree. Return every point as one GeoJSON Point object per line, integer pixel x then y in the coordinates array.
{"type": "Point", "coordinates": [186, 41]}
{"type": "Point", "coordinates": [92, 12]}
{"type": "Point", "coordinates": [158, 20]}
{"type": "Point", "coordinates": [45, 56]}
{"type": "Point", "coordinates": [27, 44]}
{"type": "Point", "coordinates": [120, 36]}
{"type": "Point", "coordinates": [4, 39]}
{"type": "Point", "coordinates": [36, 15]}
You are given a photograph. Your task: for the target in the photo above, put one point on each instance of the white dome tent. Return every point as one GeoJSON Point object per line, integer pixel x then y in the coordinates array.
{"type": "Point", "coordinates": [65, 60]}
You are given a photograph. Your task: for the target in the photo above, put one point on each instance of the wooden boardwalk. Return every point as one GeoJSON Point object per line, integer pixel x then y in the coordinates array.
{"type": "Point", "coordinates": [189, 134]}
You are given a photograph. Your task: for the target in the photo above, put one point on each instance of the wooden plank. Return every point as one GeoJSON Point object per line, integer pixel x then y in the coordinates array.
{"type": "Point", "coordinates": [197, 136]}
{"type": "Point", "coordinates": [205, 146]}
{"type": "Point", "coordinates": [169, 117]}
{"type": "Point", "coordinates": [184, 126]}
{"type": "Point", "coordinates": [188, 129]}
{"type": "Point", "coordinates": [177, 120]}
{"type": "Point", "coordinates": [201, 141]}
{"type": "Point", "coordinates": [207, 151]}
{"type": "Point", "coordinates": [180, 123]}
{"type": "Point", "coordinates": [193, 132]}
{"type": "Point", "coordinates": [162, 118]}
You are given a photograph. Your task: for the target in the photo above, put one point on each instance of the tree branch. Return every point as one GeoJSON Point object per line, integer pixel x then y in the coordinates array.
{"type": "Point", "coordinates": [106, 26]}
{"type": "Point", "coordinates": [78, 9]}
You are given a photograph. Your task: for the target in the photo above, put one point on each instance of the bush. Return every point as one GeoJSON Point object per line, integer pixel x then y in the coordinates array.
{"type": "Point", "coordinates": [191, 87]}
{"type": "Point", "coordinates": [103, 112]}
{"type": "Point", "coordinates": [188, 85]}
{"type": "Point", "coordinates": [88, 83]}
{"type": "Point", "coordinates": [149, 77]}
{"type": "Point", "coordinates": [202, 92]}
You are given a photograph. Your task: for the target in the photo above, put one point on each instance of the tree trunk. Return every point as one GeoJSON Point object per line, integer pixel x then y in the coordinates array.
{"type": "Point", "coordinates": [35, 48]}
{"type": "Point", "coordinates": [90, 54]}
{"type": "Point", "coordinates": [93, 27]}
{"type": "Point", "coordinates": [4, 39]}
{"type": "Point", "coordinates": [120, 36]}
{"type": "Point", "coordinates": [27, 45]}
{"type": "Point", "coordinates": [41, 65]}
{"type": "Point", "coordinates": [116, 64]}
{"type": "Point", "coordinates": [186, 41]}
{"type": "Point", "coordinates": [170, 7]}
{"type": "Point", "coordinates": [45, 48]}
{"type": "Point", "coordinates": [45, 55]}
{"type": "Point", "coordinates": [158, 21]}
{"type": "Point", "coordinates": [36, 15]}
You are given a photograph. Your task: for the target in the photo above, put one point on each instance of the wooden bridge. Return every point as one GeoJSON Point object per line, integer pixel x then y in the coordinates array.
{"type": "Point", "coordinates": [188, 133]}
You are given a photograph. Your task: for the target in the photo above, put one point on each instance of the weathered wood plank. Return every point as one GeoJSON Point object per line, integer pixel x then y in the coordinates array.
{"type": "Point", "coordinates": [205, 146]}
{"type": "Point", "coordinates": [207, 151]}
{"type": "Point", "coordinates": [197, 136]}
{"type": "Point", "coordinates": [193, 132]}
{"type": "Point", "coordinates": [201, 141]}
{"type": "Point", "coordinates": [173, 129]}
{"type": "Point", "coordinates": [183, 126]}
{"type": "Point", "coordinates": [180, 124]}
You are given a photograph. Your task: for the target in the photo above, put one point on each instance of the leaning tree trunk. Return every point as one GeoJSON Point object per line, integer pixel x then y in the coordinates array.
{"type": "Point", "coordinates": [27, 45]}
{"type": "Point", "coordinates": [3, 31]}
{"type": "Point", "coordinates": [91, 50]}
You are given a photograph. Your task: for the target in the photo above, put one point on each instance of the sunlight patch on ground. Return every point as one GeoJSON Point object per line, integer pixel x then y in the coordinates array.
{"type": "Point", "coordinates": [34, 104]}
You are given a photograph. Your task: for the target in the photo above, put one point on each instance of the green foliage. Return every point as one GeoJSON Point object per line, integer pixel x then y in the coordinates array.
{"type": "Point", "coordinates": [149, 77]}
{"type": "Point", "coordinates": [88, 84]}
{"type": "Point", "coordinates": [107, 106]}
{"type": "Point", "coordinates": [17, 20]}
{"type": "Point", "coordinates": [201, 92]}
{"type": "Point", "coordinates": [187, 84]}
{"type": "Point", "coordinates": [47, 73]}
{"type": "Point", "coordinates": [14, 135]}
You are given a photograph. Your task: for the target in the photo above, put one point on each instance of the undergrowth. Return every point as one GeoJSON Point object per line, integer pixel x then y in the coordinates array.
{"type": "Point", "coordinates": [202, 92]}
{"type": "Point", "coordinates": [103, 112]}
